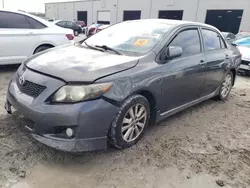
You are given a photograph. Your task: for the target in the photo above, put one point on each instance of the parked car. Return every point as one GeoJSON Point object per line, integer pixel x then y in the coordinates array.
{"type": "Point", "coordinates": [22, 35]}
{"type": "Point", "coordinates": [81, 23]}
{"type": "Point", "coordinates": [93, 29]}
{"type": "Point", "coordinates": [109, 87]}
{"type": "Point", "coordinates": [245, 62]}
{"type": "Point", "coordinates": [242, 35]}
{"type": "Point", "coordinates": [229, 36]}
{"type": "Point", "coordinates": [70, 25]}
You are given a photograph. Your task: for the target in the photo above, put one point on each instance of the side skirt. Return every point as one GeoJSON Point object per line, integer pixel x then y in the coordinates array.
{"type": "Point", "coordinates": [166, 114]}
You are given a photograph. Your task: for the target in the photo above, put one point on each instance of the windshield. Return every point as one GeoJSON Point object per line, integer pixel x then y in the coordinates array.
{"type": "Point", "coordinates": [242, 35]}
{"type": "Point", "coordinates": [131, 38]}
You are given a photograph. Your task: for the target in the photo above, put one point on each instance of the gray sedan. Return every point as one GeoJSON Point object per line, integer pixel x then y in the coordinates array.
{"type": "Point", "coordinates": [111, 86]}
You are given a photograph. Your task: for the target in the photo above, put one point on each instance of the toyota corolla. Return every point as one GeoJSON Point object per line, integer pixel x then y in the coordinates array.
{"type": "Point", "coordinates": [111, 86]}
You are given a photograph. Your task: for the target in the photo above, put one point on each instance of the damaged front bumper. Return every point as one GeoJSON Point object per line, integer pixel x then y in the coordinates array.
{"type": "Point", "coordinates": [90, 121]}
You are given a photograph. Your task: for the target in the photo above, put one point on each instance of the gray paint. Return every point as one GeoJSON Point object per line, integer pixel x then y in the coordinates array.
{"type": "Point", "coordinates": [174, 84]}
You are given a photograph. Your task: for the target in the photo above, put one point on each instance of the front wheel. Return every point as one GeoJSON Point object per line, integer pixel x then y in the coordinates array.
{"type": "Point", "coordinates": [130, 122]}
{"type": "Point", "coordinates": [226, 86]}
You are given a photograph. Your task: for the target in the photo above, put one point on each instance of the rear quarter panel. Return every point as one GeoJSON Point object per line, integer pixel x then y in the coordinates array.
{"type": "Point", "coordinates": [52, 36]}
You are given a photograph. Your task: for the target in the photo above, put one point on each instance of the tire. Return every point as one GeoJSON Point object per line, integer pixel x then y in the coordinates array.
{"type": "Point", "coordinates": [222, 96]}
{"type": "Point", "coordinates": [42, 48]}
{"type": "Point", "coordinates": [248, 73]}
{"type": "Point", "coordinates": [76, 33]}
{"type": "Point", "coordinates": [116, 136]}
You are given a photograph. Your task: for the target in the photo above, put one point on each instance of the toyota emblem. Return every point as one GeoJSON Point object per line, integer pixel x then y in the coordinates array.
{"type": "Point", "coordinates": [21, 80]}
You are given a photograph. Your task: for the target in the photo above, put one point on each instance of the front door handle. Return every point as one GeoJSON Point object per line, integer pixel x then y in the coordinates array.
{"type": "Point", "coordinates": [202, 61]}
{"type": "Point", "coordinates": [227, 57]}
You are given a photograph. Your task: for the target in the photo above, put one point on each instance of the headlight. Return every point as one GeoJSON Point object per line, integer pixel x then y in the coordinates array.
{"type": "Point", "coordinates": [77, 93]}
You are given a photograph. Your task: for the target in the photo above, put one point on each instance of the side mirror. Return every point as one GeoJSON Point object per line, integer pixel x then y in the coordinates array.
{"type": "Point", "coordinates": [173, 52]}
{"type": "Point", "coordinates": [233, 44]}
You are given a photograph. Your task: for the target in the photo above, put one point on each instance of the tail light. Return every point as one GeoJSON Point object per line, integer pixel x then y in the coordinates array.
{"type": "Point", "coordinates": [69, 36]}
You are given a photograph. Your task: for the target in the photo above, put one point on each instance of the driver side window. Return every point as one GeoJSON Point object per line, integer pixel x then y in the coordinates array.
{"type": "Point", "coordinates": [189, 41]}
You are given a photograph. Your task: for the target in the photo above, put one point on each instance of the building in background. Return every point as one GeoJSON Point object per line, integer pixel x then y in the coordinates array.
{"type": "Point", "coordinates": [226, 15]}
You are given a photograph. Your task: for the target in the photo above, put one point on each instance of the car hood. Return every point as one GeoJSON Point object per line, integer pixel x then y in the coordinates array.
{"type": "Point", "coordinates": [75, 63]}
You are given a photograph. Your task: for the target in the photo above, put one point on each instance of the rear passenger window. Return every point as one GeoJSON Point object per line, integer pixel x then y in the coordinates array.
{"type": "Point", "coordinates": [189, 40]}
{"type": "Point", "coordinates": [36, 24]}
{"type": "Point", "coordinates": [62, 24]}
{"type": "Point", "coordinates": [13, 21]}
{"type": "Point", "coordinates": [211, 39]}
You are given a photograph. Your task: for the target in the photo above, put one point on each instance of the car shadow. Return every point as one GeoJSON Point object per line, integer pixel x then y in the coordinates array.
{"type": "Point", "coordinates": [9, 68]}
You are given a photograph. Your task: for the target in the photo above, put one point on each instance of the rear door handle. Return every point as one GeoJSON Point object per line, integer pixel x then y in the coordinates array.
{"type": "Point", "coordinates": [227, 56]}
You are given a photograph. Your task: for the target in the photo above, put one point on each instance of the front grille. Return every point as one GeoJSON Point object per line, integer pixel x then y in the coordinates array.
{"type": "Point", "coordinates": [30, 88]}
{"type": "Point", "coordinates": [243, 62]}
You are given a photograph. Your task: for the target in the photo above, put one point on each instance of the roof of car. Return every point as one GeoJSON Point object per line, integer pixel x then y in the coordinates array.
{"type": "Point", "coordinates": [174, 22]}
{"type": "Point", "coordinates": [43, 21]}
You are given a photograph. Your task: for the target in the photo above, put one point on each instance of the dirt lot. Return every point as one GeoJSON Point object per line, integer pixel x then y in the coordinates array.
{"type": "Point", "coordinates": [205, 146]}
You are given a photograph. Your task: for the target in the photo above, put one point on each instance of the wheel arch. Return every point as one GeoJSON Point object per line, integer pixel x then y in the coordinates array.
{"type": "Point", "coordinates": [152, 103]}
{"type": "Point", "coordinates": [44, 44]}
{"type": "Point", "coordinates": [233, 70]}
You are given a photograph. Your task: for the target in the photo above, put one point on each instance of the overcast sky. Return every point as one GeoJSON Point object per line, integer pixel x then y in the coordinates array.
{"type": "Point", "coordinates": [27, 5]}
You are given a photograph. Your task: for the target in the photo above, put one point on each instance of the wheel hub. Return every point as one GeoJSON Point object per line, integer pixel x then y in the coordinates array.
{"type": "Point", "coordinates": [134, 122]}
{"type": "Point", "coordinates": [226, 86]}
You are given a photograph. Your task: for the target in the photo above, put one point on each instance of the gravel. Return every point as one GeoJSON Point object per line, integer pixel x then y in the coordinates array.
{"type": "Point", "coordinates": [207, 145]}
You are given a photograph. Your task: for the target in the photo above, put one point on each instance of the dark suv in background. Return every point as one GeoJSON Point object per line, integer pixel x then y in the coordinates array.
{"type": "Point", "coordinates": [69, 25]}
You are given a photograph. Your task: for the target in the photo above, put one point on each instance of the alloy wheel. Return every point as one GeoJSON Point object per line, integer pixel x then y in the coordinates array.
{"type": "Point", "coordinates": [226, 86]}
{"type": "Point", "coordinates": [134, 122]}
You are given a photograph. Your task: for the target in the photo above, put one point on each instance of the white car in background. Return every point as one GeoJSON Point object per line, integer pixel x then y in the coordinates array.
{"type": "Point", "coordinates": [22, 35]}
{"type": "Point", "coordinates": [245, 60]}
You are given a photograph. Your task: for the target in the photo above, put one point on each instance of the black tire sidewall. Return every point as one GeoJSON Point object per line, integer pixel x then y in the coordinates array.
{"type": "Point", "coordinates": [115, 134]}
{"type": "Point", "coordinates": [41, 48]}
{"type": "Point", "coordinates": [220, 96]}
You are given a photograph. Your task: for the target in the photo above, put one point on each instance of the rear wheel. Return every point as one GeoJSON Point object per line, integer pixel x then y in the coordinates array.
{"type": "Point", "coordinates": [130, 123]}
{"type": "Point", "coordinates": [226, 86]}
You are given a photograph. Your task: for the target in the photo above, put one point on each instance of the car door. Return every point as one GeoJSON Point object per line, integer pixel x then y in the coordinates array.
{"type": "Point", "coordinates": [183, 77]}
{"type": "Point", "coordinates": [217, 56]}
{"type": "Point", "coordinates": [17, 38]}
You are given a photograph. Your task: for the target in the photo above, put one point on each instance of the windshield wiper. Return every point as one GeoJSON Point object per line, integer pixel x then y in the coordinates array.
{"type": "Point", "coordinates": [92, 47]}
{"type": "Point", "coordinates": [109, 48]}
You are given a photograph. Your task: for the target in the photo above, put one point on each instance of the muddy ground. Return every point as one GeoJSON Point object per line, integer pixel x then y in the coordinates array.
{"type": "Point", "coordinates": [205, 146]}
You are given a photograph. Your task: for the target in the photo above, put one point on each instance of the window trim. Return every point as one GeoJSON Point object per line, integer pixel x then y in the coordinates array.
{"type": "Point", "coordinates": [219, 35]}
{"type": "Point", "coordinates": [33, 27]}
{"type": "Point", "coordinates": [8, 12]}
{"type": "Point", "coordinates": [184, 28]}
